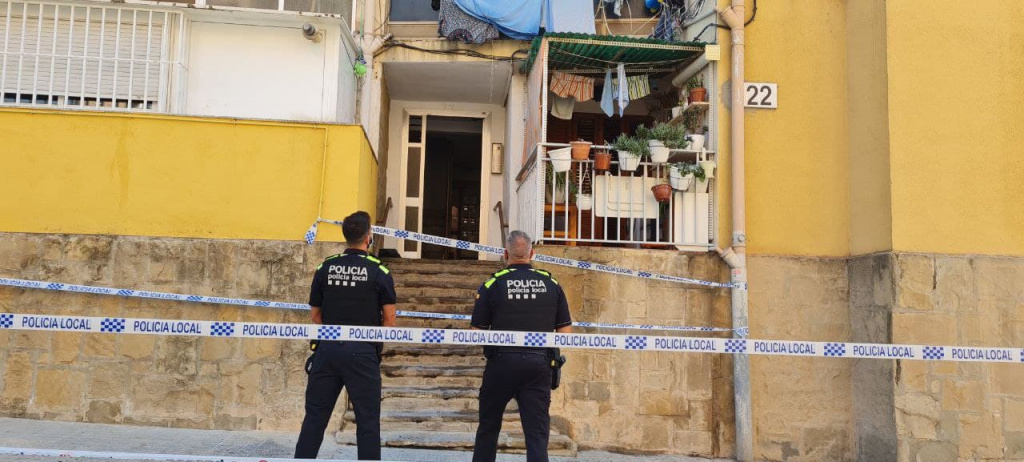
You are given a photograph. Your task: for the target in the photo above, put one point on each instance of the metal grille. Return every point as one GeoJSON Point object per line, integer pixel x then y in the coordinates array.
{"type": "Point", "coordinates": [63, 55]}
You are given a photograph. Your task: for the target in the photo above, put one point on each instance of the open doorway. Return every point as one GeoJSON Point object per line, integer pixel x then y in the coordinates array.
{"type": "Point", "coordinates": [451, 186]}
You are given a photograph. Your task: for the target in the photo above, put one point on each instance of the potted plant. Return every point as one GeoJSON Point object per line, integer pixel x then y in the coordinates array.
{"type": "Point", "coordinates": [580, 149]}
{"type": "Point", "coordinates": [602, 160]}
{"type": "Point", "coordinates": [680, 176]}
{"type": "Point", "coordinates": [696, 88]}
{"type": "Point", "coordinates": [584, 201]}
{"type": "Point", "coordinates": [560, 159]}
{"type": "Point", "coordinates": [631, 150]}
{"type": "Point", "coordinates": [662, 192]}
{"type": "Point", "coordinates": [692, 120]}
{"type": "Point", "coordinates": [559, 179]}
{"type": "Point", "coordinates": [661, 138]}
{"type": "Point", "coordinates": [702, 180]}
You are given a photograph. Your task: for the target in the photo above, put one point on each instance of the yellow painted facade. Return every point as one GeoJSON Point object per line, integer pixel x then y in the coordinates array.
{"type": "Point", "coordinates": [956, 108]}
{"type": "Point", "coordinates": [898, 128]}
{"type": "Point", "coordinates": [150, 175]}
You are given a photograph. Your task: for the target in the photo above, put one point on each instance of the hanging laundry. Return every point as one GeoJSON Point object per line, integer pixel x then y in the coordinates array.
{"type": "Point", "coordinates": [454, 24]}
{"type": "Point", "coordinates": [639, 86]}
{"type": "Point", "coordinates": [623, 89]}
{"type": "Point", "coordinates": [608, 94]}
{"type": "Point", "coordinates": [617, 9]}
{"type": "Point", "coordinates": [668, 23]}
{"type": "Point", "coordinates": [569, 16]}
{"type": "Point", "coordinates": [577, 86]}
{"type": "Point", "coordinates": [562, 107]}
{"type": "Point", "coordinates": [517, 19]}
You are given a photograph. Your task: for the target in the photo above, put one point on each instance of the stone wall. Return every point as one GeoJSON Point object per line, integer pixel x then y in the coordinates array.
{"type": "Point", "coordinates": [230, 384]}
{"type": "Point", "coordinates": [646, 402]}
{"type": "Point", "coordinates": [802, 407]}
{"type": "Point", "coordinates": [959, 411]}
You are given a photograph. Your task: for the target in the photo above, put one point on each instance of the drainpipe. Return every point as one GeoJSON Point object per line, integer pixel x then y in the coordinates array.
{"type": "Point", "coordinates": [736, 256]}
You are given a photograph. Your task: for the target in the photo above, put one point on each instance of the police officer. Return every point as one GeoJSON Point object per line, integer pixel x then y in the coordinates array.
{"type": "Point", "coordinates": [518, 298]}
{"type": "Point", "coordinates": [352, 288]}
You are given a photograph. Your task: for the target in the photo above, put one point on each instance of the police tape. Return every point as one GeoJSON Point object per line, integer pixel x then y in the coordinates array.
{"type": "Point", "coordinates": [74, 454]}
{"type": "Point", "coordinates": [577, 264]}
{"type": "Point", "coordinates": [422, 336]}
{"type": "Point", "coordinates": [97, 290]}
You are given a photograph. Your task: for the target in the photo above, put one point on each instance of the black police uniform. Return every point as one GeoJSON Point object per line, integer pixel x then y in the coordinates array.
{"type": "Point", "coordinates": [517, 298]}
{"type": "Point", "coordinates": [350, 288]}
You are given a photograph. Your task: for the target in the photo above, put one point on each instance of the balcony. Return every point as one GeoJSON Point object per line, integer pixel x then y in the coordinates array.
{"type": "Point", "coordinates": [580, 202]}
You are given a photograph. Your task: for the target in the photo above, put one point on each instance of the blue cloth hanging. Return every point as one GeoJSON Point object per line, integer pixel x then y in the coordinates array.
{"type": "Point", "coordinates": [608, 95]}
{"type": "Point", "coordinates": [569, 16]}
{"type": "Point", "coordinates": [518, 19]}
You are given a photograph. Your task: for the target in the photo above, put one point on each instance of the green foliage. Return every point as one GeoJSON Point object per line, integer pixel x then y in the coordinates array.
{"type": "Point", "coordinates": [697, 81]}
{"type": "Point", "coordinates": [633, 144]}
{"type": "Point", "coordinates": [690, 169]}
{"type": "Point", "coordinates": [673, 136]}
{"type": "Point", "coordinates": [693, 121]}
{"type": "Point", "coordinates": [559, 179]}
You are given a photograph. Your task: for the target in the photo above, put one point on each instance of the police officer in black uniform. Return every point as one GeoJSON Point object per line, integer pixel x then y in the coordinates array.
{"type": "Point", "coordinates": [352, 288]}
{"type": "Point", "coordinates": [518, 298]}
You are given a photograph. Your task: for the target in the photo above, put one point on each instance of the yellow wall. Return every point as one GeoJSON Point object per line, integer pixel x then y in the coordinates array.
{"type": "Point", "coordinates": [868, 134]}
{"type": "Point", "coordinates": [149, 175]}
{"type": "Point", "coordinates": [796, 155]}
{"type": "Point", "coordinates": [956, 111]}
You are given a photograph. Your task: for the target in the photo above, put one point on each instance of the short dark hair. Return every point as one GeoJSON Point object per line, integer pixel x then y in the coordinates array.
{"type": "Point", "coordinates": [356, 227]}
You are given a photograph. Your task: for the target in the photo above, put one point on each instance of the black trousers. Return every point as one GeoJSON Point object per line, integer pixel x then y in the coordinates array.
{"type": "Point", "coordinates": [337, 365]}
{"type": "Point", "coordinates": [527, 378]}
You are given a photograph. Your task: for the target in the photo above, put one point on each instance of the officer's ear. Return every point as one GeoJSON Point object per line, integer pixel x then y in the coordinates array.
{"type": "Point", "coordinates": [531, 254]}
{"type": "Point", "coordinates": [369, 240]}
{"type": "Point", "coordinates": [505, 255]}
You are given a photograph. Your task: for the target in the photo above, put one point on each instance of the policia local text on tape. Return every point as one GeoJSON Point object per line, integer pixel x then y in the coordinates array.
{"type": "Point", "coordinates": [352, 288]}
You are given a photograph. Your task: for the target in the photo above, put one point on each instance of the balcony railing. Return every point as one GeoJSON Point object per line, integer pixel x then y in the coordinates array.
{"type": "Point", "coordinates": [573, 202]}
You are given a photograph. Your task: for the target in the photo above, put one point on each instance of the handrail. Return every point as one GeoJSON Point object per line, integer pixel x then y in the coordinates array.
{"type": "Point", "coordinates": [382, 221]}
{"type": "Point", "coordinates": [501, 220]}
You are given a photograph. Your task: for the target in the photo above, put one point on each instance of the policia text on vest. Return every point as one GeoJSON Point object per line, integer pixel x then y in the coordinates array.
{"type": "Point", "coordinates": [352, 288]}
{"type": "Point", "coordinates": [518, 298]}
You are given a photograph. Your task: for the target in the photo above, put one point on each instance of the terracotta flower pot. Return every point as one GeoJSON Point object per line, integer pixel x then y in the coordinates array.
{"type": "Point", "coordinates": [580, 150]}
{"type": "Point", "coordinates": [662, 192]}
{"type": "Point", "coordinates": [602, 161]}
{"type": "Point", "coordinates": [697, 95]}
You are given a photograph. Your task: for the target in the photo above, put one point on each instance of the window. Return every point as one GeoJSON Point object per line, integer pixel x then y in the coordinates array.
{"type": "Point", "coordinates": [84, 56]}
{"type": "Point", "coordinates": [412, 11]}
{"type": "Point", "coordinates": [341, 8]}
{"type": "Point", "coordinates": [630, 9]}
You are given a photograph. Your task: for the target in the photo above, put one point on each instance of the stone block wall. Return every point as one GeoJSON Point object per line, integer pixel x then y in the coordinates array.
{"type": "Point", "coordinates": [646, 402]}
{"type": "Point", "coordinates": [959, 411]}
{"type": "Point", "coordinates": [802, 407]}
{"type": "Point", "coordinates": [234, 384]}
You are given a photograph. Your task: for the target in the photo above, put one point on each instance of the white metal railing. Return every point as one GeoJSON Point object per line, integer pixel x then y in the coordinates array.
{"type": "Point", "coordinates": [528, 198]}
{"type": "Point", "coordinates": [582, 205]}
{"type": "Point", "coordinates": [109, 57]}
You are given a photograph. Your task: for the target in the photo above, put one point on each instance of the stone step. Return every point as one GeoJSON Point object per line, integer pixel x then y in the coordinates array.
{"type": "Point", "coordinates": [455, 421]}
{"type": "Point", "coordinates": [437, 292]}
{"type": "Point", "coordinates": [430, 323]}
{"type": "Point", "coordinates": [436, 305]}
{"type": "Point", "coordinates": [431, 370]}
{"type": "Point", "coordinates": [440, 356]}
{"type": "Point", "coordinates": [434, 399]}
{"type": "Point", "coordinates": [433, 267]}
{"type": "Point", "coordinates": [458, 281]}
{"type": "Point", "coordinates": [508, 442]}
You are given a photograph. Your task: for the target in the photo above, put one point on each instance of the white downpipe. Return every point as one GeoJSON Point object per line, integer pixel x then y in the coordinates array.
{"type": "Point", "coordinates": [736, 256]}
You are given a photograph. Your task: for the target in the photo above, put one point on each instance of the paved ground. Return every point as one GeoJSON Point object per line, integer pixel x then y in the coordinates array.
{"type": "Point", "coordinates": [22, 433]}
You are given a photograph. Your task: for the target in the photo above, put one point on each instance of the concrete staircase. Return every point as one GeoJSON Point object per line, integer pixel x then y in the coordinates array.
{"type": "Point", "coordinates": [430, 392]}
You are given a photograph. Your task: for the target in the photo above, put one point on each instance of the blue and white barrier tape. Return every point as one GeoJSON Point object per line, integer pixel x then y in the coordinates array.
{"type": "Point", "coordinates": [60, 286]}
{"type": "Point", "coordinates": [72, 454]}
{"type": "Point", "coordinates": [578, 264]}
{"type": "Point", "coordinates": [227, 329]}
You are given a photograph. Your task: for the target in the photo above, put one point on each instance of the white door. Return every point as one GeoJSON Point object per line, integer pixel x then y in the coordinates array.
{"type": "Point", "coordinates": [411, 211]}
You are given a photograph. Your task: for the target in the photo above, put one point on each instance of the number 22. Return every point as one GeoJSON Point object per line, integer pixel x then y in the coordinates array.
{"type": "Point", "coordinates": [753, 90]}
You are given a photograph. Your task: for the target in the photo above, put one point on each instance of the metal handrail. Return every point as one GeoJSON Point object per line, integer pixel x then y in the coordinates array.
{"type": "Point", "coordinates": [501, 220]}
{"type": "Point", "coordinates": [382, 221]}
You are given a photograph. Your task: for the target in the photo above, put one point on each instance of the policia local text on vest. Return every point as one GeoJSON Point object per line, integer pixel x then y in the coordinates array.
{"type": "Point", "coordinates": [518, 298]}
{"type": "Point", "coordinates": [352, 288]}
